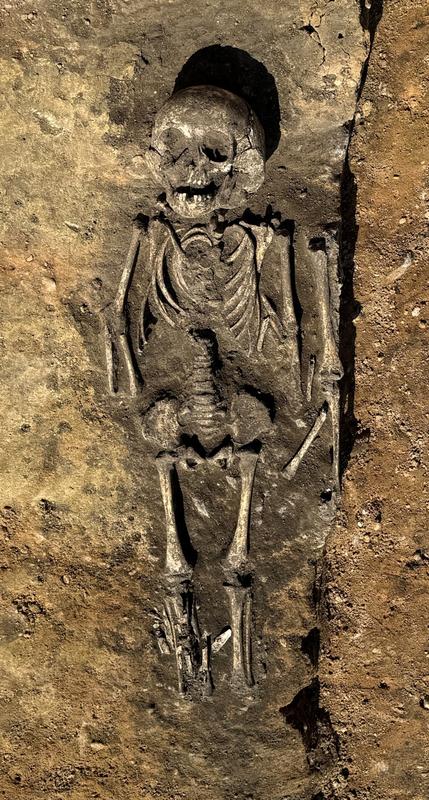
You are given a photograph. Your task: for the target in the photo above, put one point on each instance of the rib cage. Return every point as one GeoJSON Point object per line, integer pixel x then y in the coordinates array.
{"type": "Point", "coordinates": [172, 296]}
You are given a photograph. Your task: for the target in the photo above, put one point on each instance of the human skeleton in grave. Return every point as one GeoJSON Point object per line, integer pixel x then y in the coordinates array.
{"type": "Point", "coordinates": [203, 277]}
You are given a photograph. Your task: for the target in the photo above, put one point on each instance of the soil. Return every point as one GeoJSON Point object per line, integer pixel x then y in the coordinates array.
{"type": "Point", "coordinates": [89, 710]}
{"type": "Point", "coordinates": [375, 669]}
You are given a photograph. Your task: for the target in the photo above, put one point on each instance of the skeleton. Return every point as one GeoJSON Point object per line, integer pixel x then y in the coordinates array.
{"type": "Point", "coordinates": [202, 277]}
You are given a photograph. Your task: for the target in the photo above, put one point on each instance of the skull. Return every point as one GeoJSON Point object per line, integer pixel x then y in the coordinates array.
{"type": "Point", "coordinates": [207, 151]}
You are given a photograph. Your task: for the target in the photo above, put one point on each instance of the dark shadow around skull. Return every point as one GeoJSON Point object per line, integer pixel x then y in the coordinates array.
{"type": "Point", "coordinates": [207, 151]}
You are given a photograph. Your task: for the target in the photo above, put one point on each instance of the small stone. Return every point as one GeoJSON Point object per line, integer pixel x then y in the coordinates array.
{"type": "Point", "coordinates": [65, 579]}
{"type": "Point", "coordinates": [424, 702]}
{"type": "Point", "coordinates": [72, 226]}
{"type": "Point", "coordinates": [97, 746]}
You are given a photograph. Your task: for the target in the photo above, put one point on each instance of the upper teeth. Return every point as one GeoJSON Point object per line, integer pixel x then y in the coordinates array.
{"type": "Point", "coordinates": [198, 198]}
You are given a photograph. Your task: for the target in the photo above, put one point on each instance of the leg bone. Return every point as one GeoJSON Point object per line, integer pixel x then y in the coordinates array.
{"type": "Point", "coordinates": [240, 609]}
{"type": "Point", "coordinates": [175, 560]}
{"type": "Point", "coordinates": [237, 553]}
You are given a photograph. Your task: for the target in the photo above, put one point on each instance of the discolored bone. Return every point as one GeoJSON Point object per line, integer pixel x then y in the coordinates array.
{"type": "Point", "coordinates": [290, 469]}
{"type": "Point", "coordinates": [240, 611]}
{"type": "Point", "coordinates": [175, 560]}
{"type": "Point", "coordinates": [238, 550]}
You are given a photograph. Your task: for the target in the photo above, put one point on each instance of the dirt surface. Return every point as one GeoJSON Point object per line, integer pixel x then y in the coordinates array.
{"type": "Point", "coordinates": [87, 710]}
{"type": "Point", "coordinates": [376, 664]}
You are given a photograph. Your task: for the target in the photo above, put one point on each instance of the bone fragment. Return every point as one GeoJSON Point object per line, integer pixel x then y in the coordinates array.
{"type": "Point", "coordinates": [290, 469]}
{"type": "Point", "coordinates": [221, 639]}
{"type": "Point", "coordinates": [161, 638]}
{"type": "Point", "coordinates": [262, 333]}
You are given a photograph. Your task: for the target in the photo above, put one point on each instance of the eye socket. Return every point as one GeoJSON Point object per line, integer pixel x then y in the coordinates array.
{"type": "Point", "coordinates": [213, 154]}
{"type": "Point", "coordinates": [175, 143]}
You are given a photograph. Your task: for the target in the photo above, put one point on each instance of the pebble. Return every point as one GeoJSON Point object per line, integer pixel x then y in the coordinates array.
{"type": "Point", "coordinates": [72, 226]}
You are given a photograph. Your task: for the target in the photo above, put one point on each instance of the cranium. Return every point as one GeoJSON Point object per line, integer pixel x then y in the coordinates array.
{"type": "Point", "coordinates": [207, 151]}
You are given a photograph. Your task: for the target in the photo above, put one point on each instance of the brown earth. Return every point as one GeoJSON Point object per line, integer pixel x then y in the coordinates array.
{"type": "Point", "coordinates": [80, 716]}
{"type": "Point", "coordinates": [376, 661]}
